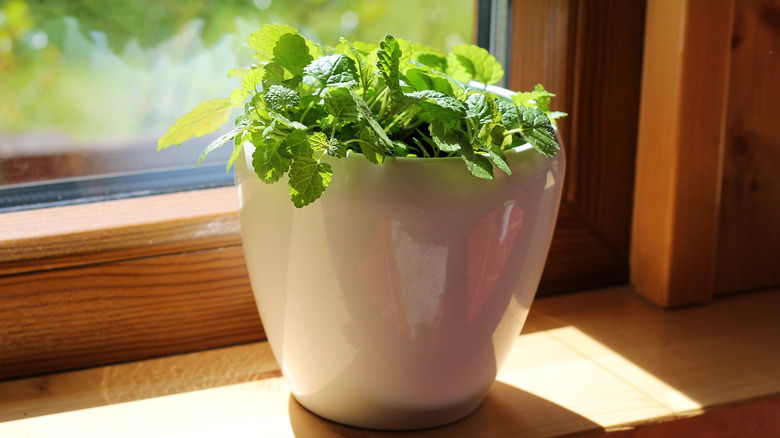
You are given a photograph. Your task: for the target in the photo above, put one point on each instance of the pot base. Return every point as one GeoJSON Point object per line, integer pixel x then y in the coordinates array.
{"type": "Point", "coordinates": [368, 416]}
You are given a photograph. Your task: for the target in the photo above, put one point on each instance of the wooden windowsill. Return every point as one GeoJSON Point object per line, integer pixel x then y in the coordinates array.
{"type": "Point", "coordinates": [587, 363]}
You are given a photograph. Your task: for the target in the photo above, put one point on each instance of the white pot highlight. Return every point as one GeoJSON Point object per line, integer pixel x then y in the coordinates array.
{"type": "Point", "coordinates": [391, 302]}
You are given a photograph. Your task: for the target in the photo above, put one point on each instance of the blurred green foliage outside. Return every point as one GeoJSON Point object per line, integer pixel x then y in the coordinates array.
{"type": "Point", "coordinates": [97, 71]}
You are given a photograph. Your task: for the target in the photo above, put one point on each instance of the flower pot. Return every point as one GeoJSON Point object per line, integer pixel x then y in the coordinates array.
{"type": "Point", "coordinates": [391, 302]}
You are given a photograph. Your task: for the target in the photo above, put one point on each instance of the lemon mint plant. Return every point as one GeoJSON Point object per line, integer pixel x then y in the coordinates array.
{"type": "Point", "coordinates": [302, 101]}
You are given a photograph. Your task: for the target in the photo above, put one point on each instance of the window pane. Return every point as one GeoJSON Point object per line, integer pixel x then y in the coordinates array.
{"type": "Point", "coordinates": [88, 86]}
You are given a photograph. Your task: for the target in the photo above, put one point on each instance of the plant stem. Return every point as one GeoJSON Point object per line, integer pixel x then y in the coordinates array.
{"type": "Point", "coordinates": [311, 104]}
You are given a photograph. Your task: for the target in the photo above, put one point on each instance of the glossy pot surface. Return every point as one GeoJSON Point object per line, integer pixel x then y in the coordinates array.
{"type": "Point", "coordinates": [391, 302]}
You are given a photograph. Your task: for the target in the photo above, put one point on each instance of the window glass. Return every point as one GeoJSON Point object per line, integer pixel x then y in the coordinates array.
{"type": "Point", "coordinates": [88, 86]}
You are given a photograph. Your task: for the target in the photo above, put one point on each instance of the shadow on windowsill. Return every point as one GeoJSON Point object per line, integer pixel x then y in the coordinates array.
{"type": "Point", "coordinates": [506, 411]}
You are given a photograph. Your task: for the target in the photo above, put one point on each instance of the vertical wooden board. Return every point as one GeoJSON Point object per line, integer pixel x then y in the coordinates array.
{"type": "Point", "coordinates": [748, 254]}
{"type": "Point", "coordinates": [679, 150]}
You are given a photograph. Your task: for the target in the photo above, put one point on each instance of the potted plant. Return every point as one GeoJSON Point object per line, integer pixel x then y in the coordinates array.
{"type": "Point", "coordinates": [392, 300]}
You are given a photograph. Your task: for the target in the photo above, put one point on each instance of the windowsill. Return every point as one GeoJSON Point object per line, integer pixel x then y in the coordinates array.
{"type": "Point", "coordinates": [596, 361]}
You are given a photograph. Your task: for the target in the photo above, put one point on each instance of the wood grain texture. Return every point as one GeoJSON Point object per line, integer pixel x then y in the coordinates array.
{"type": "Point", "coordinates": [590, 55]}
{"type": "Point", "coordinates": [680, 145]}
{"type": "Point", "coordinates": [748, 253]}
{"type": "Point", "coordinates": [85, 234]}
{"type": "Point", "coordinates": [128, 310]}
{"type": "Point", "coordinates": [589, 363]}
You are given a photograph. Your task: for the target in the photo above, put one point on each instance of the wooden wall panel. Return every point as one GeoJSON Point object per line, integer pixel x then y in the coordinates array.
{"type": "Point", "coordinates": [748, 252]}
{"type": "Point", "coordinates": [590, 55]}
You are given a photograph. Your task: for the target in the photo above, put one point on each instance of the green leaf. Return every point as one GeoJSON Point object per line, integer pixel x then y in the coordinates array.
{"type": "Point", "coordinates": [448, 140]}
{"type": "Point", "coordinates": [539, 98]}
{"type": "Point", "coordinates": [281, 118]}
{"type": "Point", "coordinates": [537, 130]}
{"type": "Point", "coordinates": [206, 118]}
{"type": "Point", "coordinates": [268, 162]}
{"type": "Point", "coordinates": [478, 107]}
{"type": "Point", "coordinates": [477, 164]}
{"type": "Point", "coordinates": [308, 180]}
{"type": "Point", "coordinates": [439, 104]}
{"type": "Point", "coordinates": [500, 139]}
{"type": "Point", "coordinates": [292, 53]}
{"type": "Point", "coordinates": [263, 40]}
{"type": "Point", "coordinates": [429, 56]}
{"type": "Point", "coordinates": [369, 147]}
{"type": "Point", "coordinates": [237, 72]}
{"type": "Point", "coordinates": [333, 71]}
{"type": "Point", "coordinates": [365, 114]}
{"type": "Point", "coordinates": [297, 143]}
{"type": "Point", "coordinates": [468, 62]}
{"type": "Point", "coordinates": [340, 104]}
{"type": "Point", "coordinates": [364, 58]}
{"type": "Point", "coordinates": [500, 161]}
{"type": "Point", "coordinates": [400, 149]}
{"type": "Point", "coordinates": [239, 145]}
{"type": "Point", "coordinates": [510, 117]}
{"type": "Point", "coordinates": [319, 141]}
{"type": "Point", "coordinates": [337, 148]}
{"type": "Point", "coordinates": [420, 80]}
{"type": "Point", "coordinates": [216, 144]}
{"type": "Point", "coordinates": [389, 62]}
{"type": "Point", "coordinates": [249, 82]}
{"type": "Point", "coordinates": [281, 98]}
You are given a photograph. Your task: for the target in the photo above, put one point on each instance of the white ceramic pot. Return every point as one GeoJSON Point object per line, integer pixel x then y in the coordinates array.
{"type": "Point", "coordinates": [391, 302]}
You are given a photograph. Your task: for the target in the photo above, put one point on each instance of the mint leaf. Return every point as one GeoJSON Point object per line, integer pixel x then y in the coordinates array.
{"type": "Point", "coordinates": [422, 81]}
{"type": "Point", "coordinates": [478, 107]}
{"type": "Point", "coordinates": [318, 141]}
{"type": "Point", "coordinates": [340, 105]}
{"type": "Point", "coordinates": [237, 72]}
{"type": "Point", "coordinates": [281, 118]}
{"type": "Point", "coordinates": [292, 53]}
{"type": "Point", "coordinates": [368, 116]}
{"type": "Point", "coordinates": [281, 98]}
{"type": "Point", "coordinates": [539, 98]}
{"type": "Point", "coordinates": [217, 144]}
{"type": "Point", "coordinates": [439, 104]}
{"type": "Point", "coordinates": [239, 145]}
{"type": "Point", "coordinates": [364, 59]}
{"type": "Point", "coordinates": [249, 83]}
{"type": "Point", "coordinates": [468, 62]}
{"type": "Point", "coordinates": [500, 161]}
{"type": "Point", "coordinates": [333, 71]}
{"type": "Point", "coordinates": [268, 162]}
{"type": "Point", "coordinates": [477, 164]}
{"type": "Point", "coordinates": [368, 143]}
{"type": "Point", "coordinates": [296, 143]}
{"type": "Point", "coordinates": [204, 119]}
{"type": "Point", "coordinates": [337, 148]}
{"type": "Point", "coordinates": [448, 140]}
{"type": "Point", "coordinates": [263, 40]}
{"type": "Point", "coordinates": [389, 62]}
{"type": "Point", "coordinates": [510, 117]}
{"type": "Point", "coordinates": [308, 180]}
{"type": "Point", "coordinates": [538, 131]}
{"type": "Point", "coordinates": [428, 56]}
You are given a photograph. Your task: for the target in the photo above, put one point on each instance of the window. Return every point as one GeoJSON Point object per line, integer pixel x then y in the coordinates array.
{"type": "Point", "coordinates": [90, 86]}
